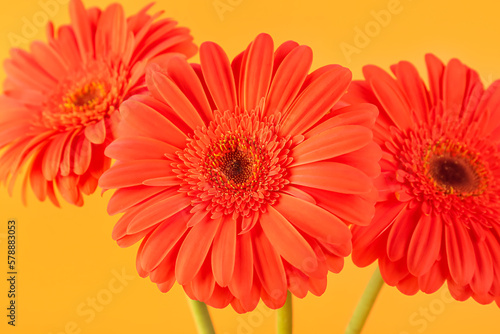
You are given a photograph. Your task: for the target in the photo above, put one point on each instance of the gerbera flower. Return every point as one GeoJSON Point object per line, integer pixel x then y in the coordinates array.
{"type": "Point", "coordinates": [60, 102]}
{"type": "Point", "coordinates": [438, 216]}
{"type": "Point", "coordinates": [238, 179]}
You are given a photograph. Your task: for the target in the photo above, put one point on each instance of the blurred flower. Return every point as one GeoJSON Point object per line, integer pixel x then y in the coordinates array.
{"type": "Point", "coordinates": [237, 177]}
{"type": "Point", "coordinates": [60, 102]}
{"type": "Point", "coordinates": [438, 215]}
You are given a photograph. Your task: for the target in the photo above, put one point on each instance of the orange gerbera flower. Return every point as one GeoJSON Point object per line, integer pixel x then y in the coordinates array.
{"type": "Point", "coordinates": [438, 216]}
{"type": "Point", "coordinates": [237, 177]}
{"type": "Point", "coordinates": [60, 102]}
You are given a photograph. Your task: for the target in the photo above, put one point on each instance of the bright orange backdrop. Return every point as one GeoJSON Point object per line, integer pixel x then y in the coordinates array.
{"type": "Point", "coordinates": [68, 265]}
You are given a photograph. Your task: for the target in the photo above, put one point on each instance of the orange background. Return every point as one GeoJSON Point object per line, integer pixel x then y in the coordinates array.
{"type": "Point", "coordinates": [67, 260]}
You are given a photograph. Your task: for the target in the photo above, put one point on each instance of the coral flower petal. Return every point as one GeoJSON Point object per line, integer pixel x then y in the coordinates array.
{"type": "Point", "coordinates": [184, 76]}
{"type": "Point", "coordinates": [390, 96]}
{"type": "Point", "coordinates": [242, 282]}
{"type": "Point", "coordinates": [289, 77]}
{"type": "Point", "coordinates": [414, 88]}
{"type": "Point", "coordinates": [125, 198]}
{"type": "Point", "coordinates": [269, 268]}
{"type": "Point", "coordinates": [96, 133]}
{"type": "Point", "coordinates": [331, 176]}
{"type": "Point", "coordinates": [166, 89]}
{"type": "Point", "coordinates": [224, 252]}
{"type": "Point", "coordinates": [158, 212]}
{"type": "Point", "coordinates": [161, 241]}
{"type": "Point", "coordinates": [421, 257]}
{"type": "Point", "coordinates": [287, 241]}
{"type": "Point", "coordinates": [460, 253]}
{"type": "Point", "coordinates": [258, 71]}
{"type": "Point", "coordinates": [326, 226]}
{"type": "Point", "coordinates": [138, 148]}
{"type": "Point", "coordinates": [151, 123]}
{"type": "Point", "coordinates": [401, 233]}
{"type": "Point", "coordinates": [311, 104]}
{"type": "Point", "coordinates": [219, 76]}
{"type": "Point", "coordinates": [331, 143]}
{"type": "Point", "coordinates": [194, 249]}
{"type": "Point", "coordinates": [134, 173]}
{"type": "Point", "coordinates": [52, 158]}
{"type": "Point", "coordinates": [483, 274]}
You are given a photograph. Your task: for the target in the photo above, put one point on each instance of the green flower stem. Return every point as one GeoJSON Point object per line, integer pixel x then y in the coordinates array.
{"type": "Point", "coordinates": [284, 316]}
{"type": "Point", "coordinates": [365, 304]}
{"type": "Point", "coordinates": [201, 317]}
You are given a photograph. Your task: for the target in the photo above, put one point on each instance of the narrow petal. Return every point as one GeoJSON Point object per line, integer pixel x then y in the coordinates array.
{"type": "Point", "coordinates": [162, 241]}
{"type": "Point", "coordinates": [435, 68]}
{"type": "Point", "coordinates": [183, 75]}
{"type": "Point", "coordinates": [354, 209]}
{"type": "Point", "coordinates": [401, 233]}
{"type": "Point", "coordinates": [82, 155]}
{"type": "Point", "coordinates": [268, 266]}
{"type": "Point", "coordinates": [425, 244]}
{"type": "Point", "coordinates": [158, 212]}
{"type": "Point", "coordinates": [390, 95]}
{"type": "Point", "coordinates": [287, 241]}
{"type": "Point", "coordinates": [318, 223]}
{"type": "Point", "coordinates": [149, 123]}
{"type": "Point", "coordinates": [483, 274]}
{"type": "Point", "coordinates": [82, 29]}
{"type": "Point", "coordinates": [195, 249]}
{"type": "Point", "coordinates": [53, 154]}
{"type": "Point", "coordinates": [164, 89]}
{"type": "Point", "coordinates": [242, 280]}
{"type": "Point", "coordinates": [281, 52]}
{"type": "Point", "coordinates": [257, 72]}
{"type": "Point", "coordinates": [96, 133]}
{"type": "Point", "coordinates": [460, 252]}
{"type": "Point", "coordinates": [454, 84]}
{"type": "Point", "coordinates": [331, 176]}
{"type": "Point", "coordinates": [224, 252]}
{"type": "Point", "coordinates": [138, 148]}
{"type": "Point", "coordinates": [385, 214]}
{"type": "Point", "coordinates": [434, 278]}
{"type": "Point", "coordinates": [331, 143]}
{"type": "Point", "coordinates": [203, 284]}
{"type": "Point", "coordinates": [414, 89]}
{"type": "Point", "coordinates": [111, 32]}
{"type": "Point", "coordinates": [288, 79]}
{"type": "Point", "coordinates": [134, 173]}
{"type": "Point", "coordinates": [363, 114]}
{"type": "Point", "coordinates": [316, 100]}
{"type": "Point", "coordinates": [218, 76]}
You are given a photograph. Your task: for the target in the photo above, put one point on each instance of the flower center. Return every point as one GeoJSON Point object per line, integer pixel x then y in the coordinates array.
{"type": "Point", "coordinates": [234, 162]}
{"type": "Point", "coordinates": [237, 166]}
{"type": "Point", "coordinates": [87, 96]}
{"type": "Point", "coordinates": [453, 173]}
{"type": "Point", "coordinates": [455, 170]}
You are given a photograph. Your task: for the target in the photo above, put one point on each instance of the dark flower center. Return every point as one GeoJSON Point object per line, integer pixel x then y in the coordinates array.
{"type": "Point", "coordinates": [236, 166]}
{"type": "Point", "coordinates": [85, 96]}
{"type": "Point", "coordinates": [454, 173]}
{"type": "Point", "coordinates": [235, 162]}
{"type": "Point", "coordinates": [454, 169]}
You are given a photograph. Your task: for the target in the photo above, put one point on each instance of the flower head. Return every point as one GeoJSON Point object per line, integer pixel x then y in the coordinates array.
{"type": "Point", "coordinates": [238, 178]}
{"type": "Point", "coordinates": [60, 104]}
{"type": "Point", "coordinates": [438, 216]}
